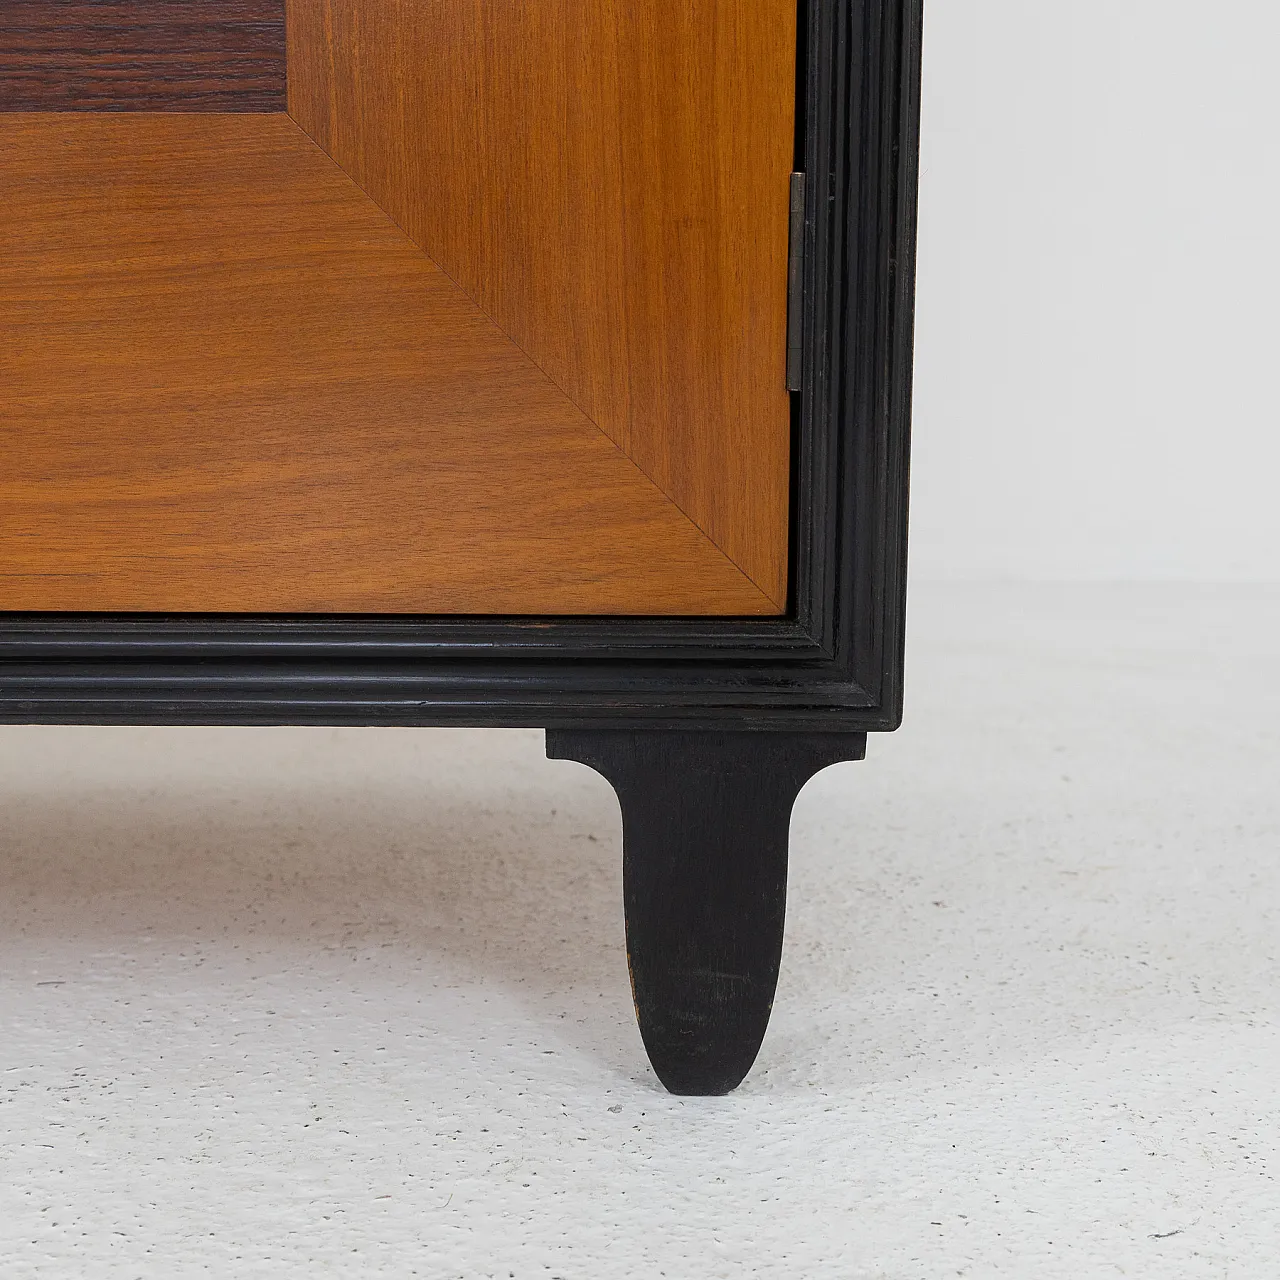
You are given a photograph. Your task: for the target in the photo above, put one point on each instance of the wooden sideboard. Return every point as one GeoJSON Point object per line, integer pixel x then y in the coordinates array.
{"type": "Point", "coordinates": [429, 362]}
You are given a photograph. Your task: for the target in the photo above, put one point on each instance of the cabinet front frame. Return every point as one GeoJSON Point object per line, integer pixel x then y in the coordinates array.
{"type": "Point", "coordinates": [835, 660]}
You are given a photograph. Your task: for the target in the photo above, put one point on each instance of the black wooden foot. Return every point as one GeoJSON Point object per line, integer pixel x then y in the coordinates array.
{"type": "Point", "coordinates": [705, 817]}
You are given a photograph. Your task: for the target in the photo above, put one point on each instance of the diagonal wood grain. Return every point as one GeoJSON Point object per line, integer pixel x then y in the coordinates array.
{"type": "Point", "coordinates": [610, 182]}
{"type": "Point", "coordinates": [230, 383]}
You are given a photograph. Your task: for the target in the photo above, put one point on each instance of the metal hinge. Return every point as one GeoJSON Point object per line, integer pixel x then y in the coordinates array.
{"type": "Point", "coordinates": [795, 284]}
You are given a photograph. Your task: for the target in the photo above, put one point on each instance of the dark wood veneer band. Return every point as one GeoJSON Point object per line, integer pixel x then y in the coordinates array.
{"type": "Point", "coordinates": [142, 55]}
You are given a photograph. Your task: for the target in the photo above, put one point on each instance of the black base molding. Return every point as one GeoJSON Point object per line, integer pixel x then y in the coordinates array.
{"type": "Point", "coordinates": [705, 819]}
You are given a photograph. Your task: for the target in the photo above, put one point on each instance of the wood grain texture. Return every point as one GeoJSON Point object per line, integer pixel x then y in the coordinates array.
{"type": "Point", "coordinates": [609, 181]}
{"type": "Point", "coordinates": [232, 384]}
{"type": "Point", "coordinates": [142, 55]}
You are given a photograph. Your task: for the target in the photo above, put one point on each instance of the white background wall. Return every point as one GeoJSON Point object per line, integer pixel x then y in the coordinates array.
{"type": "Point", "coordinates": [1097, 334]}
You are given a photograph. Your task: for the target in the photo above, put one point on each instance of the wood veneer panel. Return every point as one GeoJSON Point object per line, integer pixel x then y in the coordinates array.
{"type": "Point", "coordinates": [610, 182]}
{"type": "Point", "coordinates": [142, 55]}
{"type": "Point", "coordinates": [230, 383]}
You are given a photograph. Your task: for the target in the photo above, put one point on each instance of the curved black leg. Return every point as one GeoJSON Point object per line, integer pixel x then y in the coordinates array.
{"type": "Point", "coordinates": [705, 816]}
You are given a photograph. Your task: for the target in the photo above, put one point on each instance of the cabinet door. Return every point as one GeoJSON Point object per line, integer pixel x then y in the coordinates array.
{"type": "Point", "coordinates": [465, 306]}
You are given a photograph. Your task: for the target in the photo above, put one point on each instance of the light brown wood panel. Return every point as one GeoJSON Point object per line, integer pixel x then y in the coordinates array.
{"type": "Point", "coordinates": [229, 383]}
{"type": "Point", "coordinates": [609, 180]}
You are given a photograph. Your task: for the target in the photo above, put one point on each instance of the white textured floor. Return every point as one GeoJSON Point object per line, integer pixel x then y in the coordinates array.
{"type": "Point", "coordinates": [304, 1003]}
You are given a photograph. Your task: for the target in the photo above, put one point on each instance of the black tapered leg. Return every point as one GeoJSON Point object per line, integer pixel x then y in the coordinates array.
{"type": "Point", "coordinates": [705, 816]}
